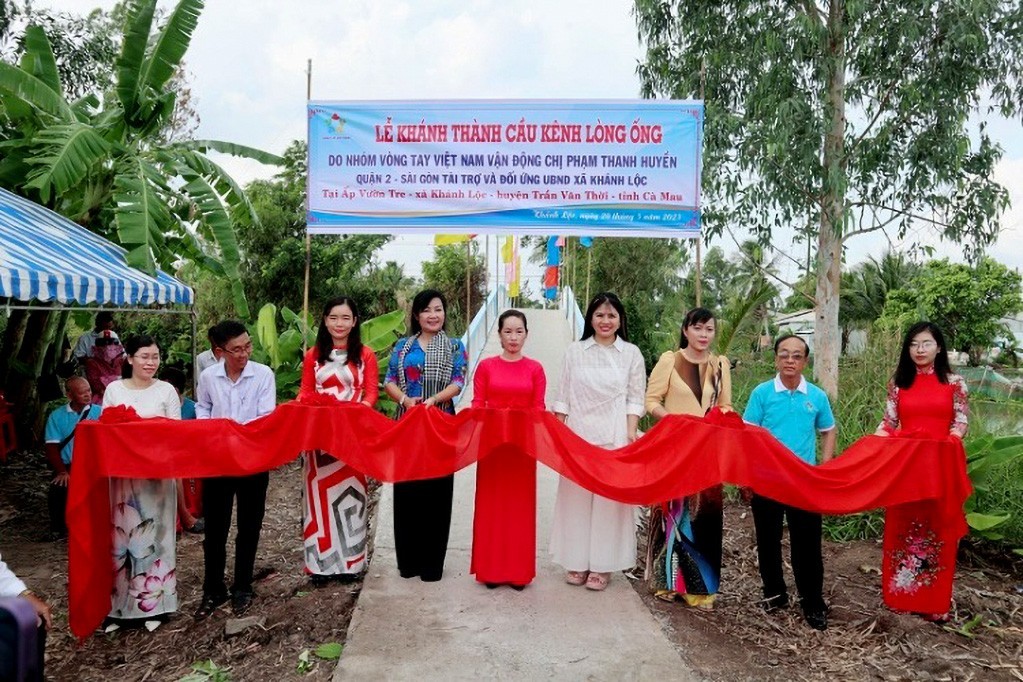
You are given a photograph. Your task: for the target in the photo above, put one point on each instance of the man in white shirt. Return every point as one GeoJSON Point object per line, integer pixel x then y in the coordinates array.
{"type": "Point", "coordinates": [240, 390]}
{"type": "Point", "coordinates": [104, 329]}
{"type": "Point", "coordinates": [12, 586]}
{"type": "Point", "coordinates": [210, 356]}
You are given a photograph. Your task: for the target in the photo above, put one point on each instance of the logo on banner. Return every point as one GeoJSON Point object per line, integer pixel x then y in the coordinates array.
{"type": "Point", "coordinates": [333, 123]}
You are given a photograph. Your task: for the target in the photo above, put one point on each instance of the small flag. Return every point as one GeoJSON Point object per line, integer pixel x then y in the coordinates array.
{"type": "Point", "coordinates": [561, 242]}
{"type": "Point", "coordinates": [587, 242]}
{"type": "Point", "coordinates": [513, 282]}
{"type": "Point", "coordinates": [510, 255]}
{"type": "Point", "coordinates": [445, 239]}
{"type": "Point", "coordinates": [553, 255]}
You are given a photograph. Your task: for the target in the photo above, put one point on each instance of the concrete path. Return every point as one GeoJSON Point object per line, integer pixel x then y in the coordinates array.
{"type": "Point", "coordinates": [457, 629]}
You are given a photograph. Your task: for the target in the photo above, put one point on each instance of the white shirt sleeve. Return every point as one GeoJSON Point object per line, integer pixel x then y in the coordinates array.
{"type": "Point", "coordinates": [10, 584]}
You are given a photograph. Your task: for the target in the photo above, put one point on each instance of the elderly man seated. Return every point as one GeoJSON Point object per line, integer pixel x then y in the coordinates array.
{"type": "Point", "coordinates": [60, 442]}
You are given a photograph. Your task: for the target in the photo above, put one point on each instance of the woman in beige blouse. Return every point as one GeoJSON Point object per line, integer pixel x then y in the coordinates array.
{"type": "Point", "coordinates": [690, 380]}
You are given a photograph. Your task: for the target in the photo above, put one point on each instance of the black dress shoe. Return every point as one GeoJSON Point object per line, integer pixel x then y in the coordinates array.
{"type": "Point", "coordinates": [210, 603]}
{"type": "Point", "coordinates": [818, 620]}
{"type": "Point", "coordinates": [240, 602]}
{"type": "Point", "coordinates": [518, 588]}
{"type": "Point", "coordinates": [492, 586]}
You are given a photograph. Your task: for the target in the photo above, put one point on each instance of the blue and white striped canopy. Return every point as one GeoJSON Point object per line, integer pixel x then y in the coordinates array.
{"type": "Point", "coordinates": [46, 257]}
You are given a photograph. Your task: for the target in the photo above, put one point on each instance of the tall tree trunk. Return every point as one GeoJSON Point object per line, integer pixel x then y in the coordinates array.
{"type": "Point", "coordinates": [827, 336]}
{"type": "Point", "coordinates": [22, 380]}
{"type": "Point", "coordinates": [14, 336]}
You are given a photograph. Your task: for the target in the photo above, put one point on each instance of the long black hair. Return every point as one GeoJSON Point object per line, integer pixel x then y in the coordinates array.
{"type": "Point", "coordinates": [905, 373]}
{"type": "Point", "coordinates": [131, 346]}
{"type": "Point", "coordinates": [324, 341]}
{"type": "Point", "coordinates": [597, 301]}
{"type": "Point", "coordinates": [694, 316]}
{"type": "Point", "coordinates": [420, 303]}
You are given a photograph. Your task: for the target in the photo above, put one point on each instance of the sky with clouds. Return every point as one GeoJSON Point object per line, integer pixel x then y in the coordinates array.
{"type": "Point", "coordinates": [248, 73]}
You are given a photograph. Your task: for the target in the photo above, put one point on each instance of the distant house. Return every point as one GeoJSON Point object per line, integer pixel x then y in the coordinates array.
{"type": "Point", "coordinates": [803, 322]}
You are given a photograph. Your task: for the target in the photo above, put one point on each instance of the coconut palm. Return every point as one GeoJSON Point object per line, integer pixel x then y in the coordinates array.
{"type": "Point", "coordinates": [866, 287]}
{"type": "Point", "coordinates": [100, 159]}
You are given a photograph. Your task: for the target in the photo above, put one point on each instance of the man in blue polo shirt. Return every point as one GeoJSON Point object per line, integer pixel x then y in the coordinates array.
{"type": "Point", "coordinates": [794, 411]}
{"type": "Point", "coordinates": [60, 443]}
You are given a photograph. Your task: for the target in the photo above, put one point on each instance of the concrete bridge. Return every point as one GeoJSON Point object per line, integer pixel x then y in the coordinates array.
{"type": "Point", "coordinates": [456, 629]}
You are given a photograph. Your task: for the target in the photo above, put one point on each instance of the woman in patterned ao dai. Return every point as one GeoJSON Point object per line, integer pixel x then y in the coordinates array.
{"type": "Point", "coordinates": [600, 397]}
{"type": "Point", "coordinates": [926, 399]}
{"type": "Point", "coordinates": [144, 511]}
{"type": "Point", "coordinates": [335, 525]}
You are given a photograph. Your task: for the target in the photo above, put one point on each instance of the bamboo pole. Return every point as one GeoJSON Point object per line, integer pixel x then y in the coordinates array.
{"type": "Point", "coordinates": [308, 240]}
{"type": "Point", "coordinates": [699, 261]}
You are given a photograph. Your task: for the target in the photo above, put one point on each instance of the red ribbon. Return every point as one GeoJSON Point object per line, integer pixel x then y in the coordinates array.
{"type": "Point", "coordinates": [679, 456]}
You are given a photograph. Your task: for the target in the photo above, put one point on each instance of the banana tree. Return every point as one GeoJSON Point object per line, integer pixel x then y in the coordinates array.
{"type": "Point", "coordinates": [101, 161]}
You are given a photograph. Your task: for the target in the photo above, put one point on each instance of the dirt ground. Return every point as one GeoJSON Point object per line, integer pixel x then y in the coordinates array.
{"type": "Point", "coordinates": [864, 641]}
{"type": "Point", "coordinates": [736, 641]}
{"type": "Point", "coordinates": [298, 616]}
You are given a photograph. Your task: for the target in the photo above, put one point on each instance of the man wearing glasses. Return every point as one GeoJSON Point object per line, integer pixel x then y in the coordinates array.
{"type": "Point", "coordinates": [240, 390]}
{"type": "Point", "coordinates": [794, 411]}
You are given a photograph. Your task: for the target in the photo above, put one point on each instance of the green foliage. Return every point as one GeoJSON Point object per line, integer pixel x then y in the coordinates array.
{"type": "Point", "coordinates": [988, 459]}
{"type": "Point", "coordinates": [274, 251]}
{"type": "Point", "coordinates": [446, 273]}
{"type": "Point", "coordinates": [842, 119]}
{"type": "Point", "coordinates": [331, 651]}
{"type": "Point", "coordinates": [104, 161]}
{"type": "Point", "coordinates": [282, 351]}
{"type": "Point", "coordinates": [83, 47]}
{"type": "Point", "coordinates": [207, 671]}
{"type": "Point", "coordinates": [866, 288]}
{"type": "Point", "coordinates": [966, 302]}
{"type": "Point", "coordinates": [305, 663]}
{"type": "Point", "coordinates": [913, 77]}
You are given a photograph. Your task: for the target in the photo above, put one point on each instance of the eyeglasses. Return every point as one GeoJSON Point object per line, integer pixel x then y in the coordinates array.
{"type": "Point", "coordinates": [791, 356]}
{"type": "Point", "coordinates": [239, 350]}
{"type": "Point", "coordinates": [147, 358]}
{"type": "Point", "coordinates": [922, 345]}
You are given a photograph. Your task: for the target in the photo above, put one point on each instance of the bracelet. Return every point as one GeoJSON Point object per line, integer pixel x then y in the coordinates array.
{"type": "Point", "coordinates": [401, 403]}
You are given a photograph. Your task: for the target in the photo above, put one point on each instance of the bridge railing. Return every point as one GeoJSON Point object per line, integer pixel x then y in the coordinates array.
{"type": "Point", "coordinates": [475, 337]}
{"type": "Point", "coordinates": [572, 312]}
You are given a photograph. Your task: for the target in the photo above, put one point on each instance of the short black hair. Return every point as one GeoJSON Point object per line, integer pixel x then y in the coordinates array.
{"type": "Point", "coordinates": [224, 331]}
{"type": "Point", "coordinates": [786, 337]}
{"type": "Point", "coordinates": [420, 303]}
{"type": "Point", "coordinates": [694, 316]}
{"type": "Point", "coordinates": [175, 377]}
{"type": "Point", "coordinates": [103, 317]}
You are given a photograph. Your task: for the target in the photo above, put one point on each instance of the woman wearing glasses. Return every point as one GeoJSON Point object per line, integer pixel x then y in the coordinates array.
{"type": "Point", "coordinates": [144, 511]}
{"type": "Point", "coordinates": [685, 553]}
{"type": "Point", "coordinates": [925, 399]}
